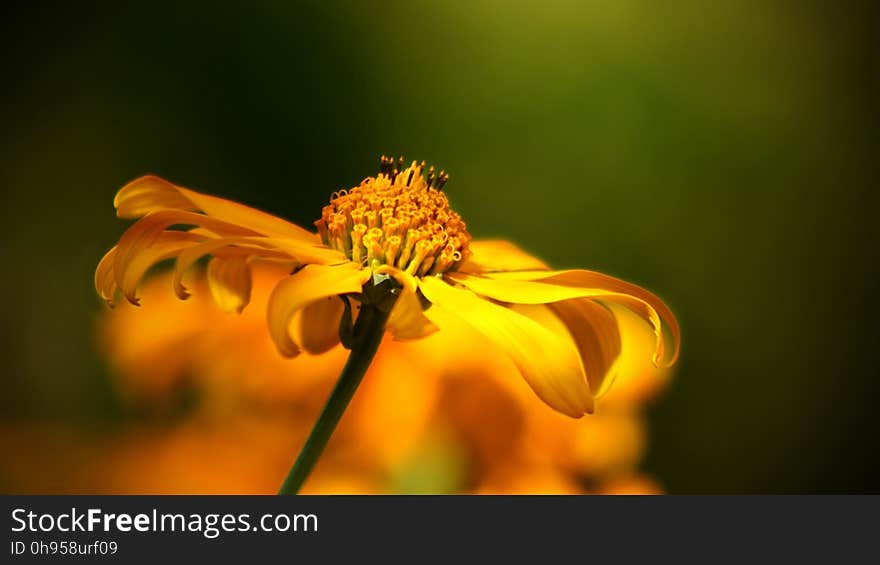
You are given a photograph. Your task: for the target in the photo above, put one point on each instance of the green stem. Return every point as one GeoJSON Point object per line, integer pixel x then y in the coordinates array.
{"type": "Point", "coordinates": [368, 332]}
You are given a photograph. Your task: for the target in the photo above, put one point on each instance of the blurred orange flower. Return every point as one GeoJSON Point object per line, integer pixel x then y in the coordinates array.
{"type": "Point", "coordinates": [554, 326]}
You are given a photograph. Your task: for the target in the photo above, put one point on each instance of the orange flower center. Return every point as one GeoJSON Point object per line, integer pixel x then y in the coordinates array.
{"type": "Point", "coordinates": [399, 218]}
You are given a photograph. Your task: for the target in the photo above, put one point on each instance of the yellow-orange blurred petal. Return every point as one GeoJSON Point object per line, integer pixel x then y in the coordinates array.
{"type": "Point", "coordinates": [151, 193]}
{"type": "Point", "coordinates": [543, 479]}
{"type": "Point", "coordinates": [549, 364]}
{"type": "Point", "coordinates": [311, 283]}
{"type": "Point", "coordinates": [482, 413]}
{"type": "Point", "coordinates": [535, 287]}
{"type": "Point", "coordinates": [491, 255]}
{"type": "Point", "coordinates": [192, 342]}
{"type": "Point", "coordinates": [229, 279]}
{"type": "Point", "coordinates": [610, 444]}
{"type": "Point", "coordinates": [631, 485]}
{"type": "Point", "coordinates": [394, 404]}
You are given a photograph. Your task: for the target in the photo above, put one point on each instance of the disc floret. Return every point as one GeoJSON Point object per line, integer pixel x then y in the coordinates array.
{"type": "Point", "coordinates": [399, 218]}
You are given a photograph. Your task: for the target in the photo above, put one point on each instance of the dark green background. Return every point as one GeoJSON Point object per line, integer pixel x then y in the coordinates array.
{"type": "Point", "coordinates": [720, 154]}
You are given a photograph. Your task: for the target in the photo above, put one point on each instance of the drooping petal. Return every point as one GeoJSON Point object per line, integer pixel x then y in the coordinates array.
{"type": "Point", "coordinates": [315, 328]}
{"type": "Point", "coordinates": [492, 255]}
{"type": "Point", "coordinates": [518, 291]}
{"type": "Point", "coordinates": [151, 227]}
{"type": "Point", "coordinates": [637, 379]}
{"type": "Point", "coordinates": [639, 300]}
{"type": "Point", "coordinates": [549, 364]}
{"type": "Point", "coordinates": [243, 246]}
{"type": "Point", "coordinates": [105, 282]}
{"type": "Point", "coordinates": [164, 246]}
{"type": "Point", "coordinates": [407, 321]}
{"type": "Point", "coordinates": [311, 283]}
{"type": "Point", "coordinates": [229, 279]}
{"type": "Point", "coordinates": [542, 287]}
{"type": "Point", "coordinates": [596, 334]}
{"type": "Point", "coordinates": [590, 328]}
{"type": "Point", "coordinates": [151, 193]}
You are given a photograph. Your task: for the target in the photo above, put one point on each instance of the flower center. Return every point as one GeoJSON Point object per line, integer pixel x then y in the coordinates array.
{"type": "Point", "coordinates": [400, 218]}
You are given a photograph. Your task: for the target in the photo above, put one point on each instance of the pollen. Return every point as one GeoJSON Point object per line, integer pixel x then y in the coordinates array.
{"type": "Point", "coordinates": [400, 217]}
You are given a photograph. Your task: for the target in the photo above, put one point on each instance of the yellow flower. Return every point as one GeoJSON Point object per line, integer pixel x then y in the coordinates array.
{"type": "Point", "coordinates": [398, 226]}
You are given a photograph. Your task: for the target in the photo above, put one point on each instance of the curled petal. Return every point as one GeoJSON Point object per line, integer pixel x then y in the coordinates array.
{"type": "Point", "coordinates": [311, 283]}
{"type": "Point", "coordinates": [151, 227]}
{"type": "Point", "coordinates": [246, 246]}
{"type": "Point", "coordinates": [105, 282]}
{"type": "Point", "coordinates": [229, 279]}
{"type": "Point", "coordinates": [547, 361]}
{"type": "Point", "coordinates": [542, 287]}
{"type": "Point", "coordinates": [128, 273]}
{"type": "Point", "coordinates": [596, 335]}
{"type": "Point", "coordinates": [491, 255]}
{"type": "Point", "coordinates": [590, 328]}
{"type": "Point", "coordinates": [150, 193]}
{"type": "Point", "coordinates": [315, 328]}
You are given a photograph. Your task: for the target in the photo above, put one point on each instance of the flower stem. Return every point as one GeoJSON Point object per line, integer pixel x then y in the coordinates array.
{"type": "Point", "coordinates": [368, 332]}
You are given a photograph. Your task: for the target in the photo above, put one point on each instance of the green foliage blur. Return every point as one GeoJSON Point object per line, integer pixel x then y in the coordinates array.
{"type": "Point", "coordinates": [717, 153]}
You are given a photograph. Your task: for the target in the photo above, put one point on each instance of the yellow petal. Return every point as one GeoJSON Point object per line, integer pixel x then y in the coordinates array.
{"type": "Point", "coordinates": [596, 335]}
{"type": "Point", "coordinates": [307, 252]}
{"type": "Point", "coordinates": [490, 255]}
{"type": "Point", "coordinates": [537, 287]}
{"type": "Point", "coordinates": [590, 328]}
{"type": "Point", "coordinates": [547, 362]}
{"type": "Point", "coordinates": [105, 282]}
{"type": "Point", "coordinates": [240, 246]}
{"type": "Point", "coordinates": [164, 246]}
{"type": "Point", "coordinates": [311, 283]}
{"type": "Point", "coordinates": [149, 228]}
{"type": "Point", "coordinates": [151, 193]}
{"type": "Point", "coordinates": [269, 248]}
{"type": "Point", "coordinates": [637, 379]}
{"type": "Point", "coordinates": [315, 328]}
{"type": "Point", "coordinates": [519, 292]}
{"type": "Point", "coordinates": [407, 321]}
{"type": "Point", "coordinates": [229, 279]}
{"type": "Point", "coordinates": [646, 304]}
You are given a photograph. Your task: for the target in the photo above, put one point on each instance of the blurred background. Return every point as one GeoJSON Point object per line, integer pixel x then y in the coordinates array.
{"type": "Point", "coordinates": [720, 154]}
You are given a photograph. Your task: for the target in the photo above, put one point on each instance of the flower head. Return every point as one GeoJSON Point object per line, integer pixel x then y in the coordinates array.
{"type": "Point", "coordinates": [400, 219]}
{"type": "Point", "coordinates": [393, 236]}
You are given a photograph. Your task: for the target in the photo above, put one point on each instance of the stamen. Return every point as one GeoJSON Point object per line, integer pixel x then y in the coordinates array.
{"type": "Point", "coordinates": [357, 248]}
{"type": "Point", "coordinates": [385, 165]}
{"type": "Point", "coordinates": [441, 180]}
